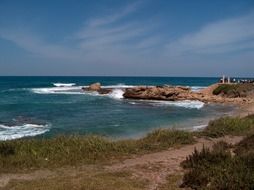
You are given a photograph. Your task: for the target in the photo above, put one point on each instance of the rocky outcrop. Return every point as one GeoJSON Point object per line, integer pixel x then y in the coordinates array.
{"type": "Point", "coordinates": [104, 91]}
{"type": "Point", "coordinates": [178, 93]}
{"type": "Point", "coordinates": [170, 93]}
{"type": "Point", "coordinates": [96, 87]}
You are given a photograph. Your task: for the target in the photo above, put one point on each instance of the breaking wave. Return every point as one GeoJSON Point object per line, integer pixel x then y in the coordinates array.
{"type": "Point", "coordinates": [191, 104]}
{"type": "Point", "coordinates": [57, 90]}
{"type": "Point", "coordinates": [119, 86]}
{"type": "Point", "coordinates": [199, 127]}
{"type": "Point", "coordinates": [20, 131]}
{"type": "Point", "coordinates": [116, 94]}
{"type": "Point", "coordinates": [64, 84]}
{"type": "Point", "coordinates": [197, 88]}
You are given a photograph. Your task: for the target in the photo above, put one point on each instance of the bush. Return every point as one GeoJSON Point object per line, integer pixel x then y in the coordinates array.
{"type": "Point", "coordinates": [230, 126]}
{"type": "Point", "coordinates": [246, 146]}
{"type": "Point", "coordinates": [217, 169]}
{"type": "Point", "coordinates": [234, 90]}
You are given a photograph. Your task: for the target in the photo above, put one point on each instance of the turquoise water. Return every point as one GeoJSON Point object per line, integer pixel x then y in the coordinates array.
{"type": "Point", "coordinates": [37, 106]}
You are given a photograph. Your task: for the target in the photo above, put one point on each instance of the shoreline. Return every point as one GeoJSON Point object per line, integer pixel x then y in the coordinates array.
{"type": "Point", "coordinates": [153, 167]}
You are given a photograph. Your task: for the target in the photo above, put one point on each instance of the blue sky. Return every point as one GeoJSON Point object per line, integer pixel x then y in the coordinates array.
{"type": "Point", "coordinates": [127, 38]}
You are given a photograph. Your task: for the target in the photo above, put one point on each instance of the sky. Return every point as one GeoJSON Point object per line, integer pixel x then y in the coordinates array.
{"type": "Point", "coordinates": [127, 38]}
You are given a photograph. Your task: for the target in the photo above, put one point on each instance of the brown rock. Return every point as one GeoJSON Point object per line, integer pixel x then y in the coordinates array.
{"type": "Point", "coordinates": [104, 91]}
{"type": "Point", "coordinates": [157, 93]}
{"type": "Point", "coordinates": [95, 87]}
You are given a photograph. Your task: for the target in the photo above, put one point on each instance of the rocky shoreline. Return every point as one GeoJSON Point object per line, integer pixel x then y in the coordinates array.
{"type": "Point", "coordinates": [178, 93]}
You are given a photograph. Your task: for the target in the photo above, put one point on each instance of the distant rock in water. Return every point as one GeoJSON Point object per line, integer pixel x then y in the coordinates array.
{"type": "Point", "coordinates": [96, 87]}
{"type": "Point", "coordinates": [104, 91]}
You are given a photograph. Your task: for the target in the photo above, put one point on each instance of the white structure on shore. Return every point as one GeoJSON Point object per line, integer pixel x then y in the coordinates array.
{"type": "Point", "coordinates": [225, 80]}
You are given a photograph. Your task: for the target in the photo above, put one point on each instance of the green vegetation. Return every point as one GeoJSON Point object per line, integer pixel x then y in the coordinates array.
{"type": "Point", "coordinates": [172, 183]}
{"type": "Point", "coordinates": [234, 90]}
{"type": "Point", "coordinates": [72, 150]}
{"type": "Point", "coordinates": [88, 179]}
{"type": "Point", "coordinates": [218, 169]}
{"type": "Point", "coordinates": [230, 126]}
{"type": "Point", "coordinates": [246, 146]}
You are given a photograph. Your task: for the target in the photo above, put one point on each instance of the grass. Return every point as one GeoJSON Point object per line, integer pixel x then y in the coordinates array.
{"type": "Point", "coordinates": [234, 90]}
{"type": "Point", "coordinates": [218, 169]}
{"type": "Point", "coordinates": [88, 179]}
{"type": "Point", "coordinates": [230, 126]}
{"type": "Point", "coordinates": [246, 146]}
{"type": "Point", "coordinates": [72, 150]}
{"type": "Point", "coordinates": [208, 169]}
{"type": "Point", "coordinates": [172, 183]}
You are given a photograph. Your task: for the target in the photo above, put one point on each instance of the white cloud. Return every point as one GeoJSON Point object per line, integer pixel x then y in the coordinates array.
{"type": "Point", "coordinates": [99, 38]}
{"type": "Point", "coordinates": [219, 37]}
{"type": "Point", "coordinates": [36, 45]}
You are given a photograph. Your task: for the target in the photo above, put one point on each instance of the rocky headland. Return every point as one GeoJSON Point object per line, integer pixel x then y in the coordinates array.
{"type": "Point", "coordinates": [178, 93]}
{"type": "Point", "coordinates": [216, 93]}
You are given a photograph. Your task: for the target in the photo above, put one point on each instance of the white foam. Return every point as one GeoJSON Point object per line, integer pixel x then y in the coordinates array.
{"type": "Point", "coordinates": [116, 94]}
{"type": "Point", "coordinates": [64, 84]}
{"type": "Point", "coordinates": [188, 104]}
{"type": "Point", "coordinates": [19, 131]}
{"type": "Point", "coordinates": [191, 104]}
{"type": "Point", "coordinates": [199, 127]}
{"type": "Point", "coordinates": [119, 86]}
{"type": "Point", "coordinates": [57, 90]}
{"type": "Point", "coordinates": [197, 88]}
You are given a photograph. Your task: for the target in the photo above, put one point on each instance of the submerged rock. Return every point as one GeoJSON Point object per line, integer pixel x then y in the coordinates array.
{"type": "Point", "coordinates": [104, 91]}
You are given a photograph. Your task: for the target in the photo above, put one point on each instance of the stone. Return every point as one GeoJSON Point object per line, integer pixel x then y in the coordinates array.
{"type": "Point", "coordinates": [95, 87]}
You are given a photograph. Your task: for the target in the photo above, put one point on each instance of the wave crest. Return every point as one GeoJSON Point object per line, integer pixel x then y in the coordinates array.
{"type": "Point", "coordinates": [116, 94]}
{"type": "Point", "coordinates": [64, 84]}
{"type": "Point", "coordinates": [20, 131]}
{"type": "Point", "coordinates": [191, 104]}
{"type": "Point", "coordinates": [57, 90]}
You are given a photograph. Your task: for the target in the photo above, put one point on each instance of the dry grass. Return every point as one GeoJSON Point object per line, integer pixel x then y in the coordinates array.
{"type": "Point", "coordinates": [85, 180]}
{"type": "Point", "coordinates": [72, 150]}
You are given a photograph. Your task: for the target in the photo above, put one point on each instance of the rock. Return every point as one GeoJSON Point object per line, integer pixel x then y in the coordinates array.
{"type": "Point", "coordinates": [183, 88]}
{"type": "Point", "coordinates": [95, 87]}
{"type": "Point", "coordinates": [157, 93]}
{"type": "Point", "coordinates": [104, 91]}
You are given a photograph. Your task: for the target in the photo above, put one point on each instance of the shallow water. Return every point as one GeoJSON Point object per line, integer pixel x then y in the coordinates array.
{"type": "Point", "coordinates": [48, 106]}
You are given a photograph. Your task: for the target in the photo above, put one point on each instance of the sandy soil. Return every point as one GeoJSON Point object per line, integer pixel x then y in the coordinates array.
{"type": "Point", "coordinates": [154, 167]}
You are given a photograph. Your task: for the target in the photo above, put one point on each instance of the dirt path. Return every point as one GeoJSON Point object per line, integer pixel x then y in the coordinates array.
{"type": "Point", "coordinates": [156, 167]}
{"type": "Point", "coordinates": [153, 167]}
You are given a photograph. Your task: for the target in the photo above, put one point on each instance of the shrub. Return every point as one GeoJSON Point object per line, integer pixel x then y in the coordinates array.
{"type": "Point", "coordinates": [246, 146]}
{"type": "Point", "coordinates": [234, 90]}
{"type": "Point", "coordinates": [217, 169]}
{"type": "Point", "coordinates": [230, 126]}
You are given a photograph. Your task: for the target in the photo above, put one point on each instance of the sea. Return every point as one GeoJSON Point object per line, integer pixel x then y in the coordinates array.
{"type": "Point", "coordinates": [44, 107]}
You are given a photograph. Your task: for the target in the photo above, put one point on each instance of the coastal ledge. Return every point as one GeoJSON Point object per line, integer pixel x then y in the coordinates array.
{"type": "Point", "coordinates": [178, 93]}
{"type": "Point", "coordinates": [217, 93]}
